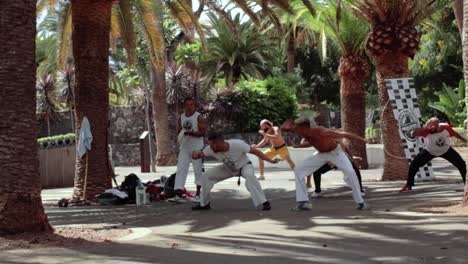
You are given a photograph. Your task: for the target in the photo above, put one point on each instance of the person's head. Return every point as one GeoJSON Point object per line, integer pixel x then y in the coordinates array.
{"type": "Point", "coordinates": [189, 105]}
{"type": "Point", "coordinates": [216, 142]}
{"type": "Point", "coordinates": [433, 124]}
{"type": "Point", "coordinates": [266, 125]}
{"type": "Point", "coordinates": [302, 125]}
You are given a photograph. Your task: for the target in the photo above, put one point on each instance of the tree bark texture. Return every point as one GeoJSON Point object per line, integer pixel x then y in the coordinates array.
{"type": "Point", "coordinates": [21, 207]}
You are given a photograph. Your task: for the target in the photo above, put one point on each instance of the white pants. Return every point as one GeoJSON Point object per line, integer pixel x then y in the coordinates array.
{"type": "Point", "coordinates": [183, 163]}
{"type": "Point", "coordinates": [313, 163]}
{"type": "Point", "coordinates": [220, 173]}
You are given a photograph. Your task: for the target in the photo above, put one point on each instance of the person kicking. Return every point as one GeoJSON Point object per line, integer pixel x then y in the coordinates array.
{"type": "Point", "coordinates": [436, 136]}
{"type": "Point", "coordinates": [324, 141]}
{"type": "Point", "coordinates": [191, 128]}
{"type": "Point", "coordinates": [272, 134]}
{"type": "Point", "coordinates": [330, 166]}
{"type": "Point", "coordinates": [233, 154]}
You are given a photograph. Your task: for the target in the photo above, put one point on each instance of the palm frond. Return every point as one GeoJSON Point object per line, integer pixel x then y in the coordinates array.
{"type": "Point", "coordinates": [127, 30]}
{"type": "Point", "coordinates": [148, 11]}
{"type": "Point", "coordinates": [242, 4]}
{"type": "Point", "coordinates": [188, 9]}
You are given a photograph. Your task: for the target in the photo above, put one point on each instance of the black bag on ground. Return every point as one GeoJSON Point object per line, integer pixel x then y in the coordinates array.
{"type": "Point", "coordinates": [169, 186]}
{"type": "Point", "coordinates": [129, 185]}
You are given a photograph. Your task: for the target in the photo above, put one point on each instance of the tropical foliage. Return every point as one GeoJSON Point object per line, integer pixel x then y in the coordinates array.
{"type": "Point", "coordinates": [240, 53]}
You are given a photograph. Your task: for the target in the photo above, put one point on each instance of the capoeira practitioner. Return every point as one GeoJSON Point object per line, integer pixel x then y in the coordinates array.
{"type": "Point", "coordinates": [272, 134]}
{"type": "Point", "coordinates": [437, 145]}
{"type": "Point", "coordinates": [330, 166]}
{"type": "Point", "coordinates": [324, 140]}
{"type": "Point", "coordinates": [191, 128]}
{"type": "Point", "coordinates": [233, 154]}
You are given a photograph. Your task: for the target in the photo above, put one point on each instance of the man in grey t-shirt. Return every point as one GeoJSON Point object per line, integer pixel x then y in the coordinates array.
{"type": "Point", "coordinates": [233, 154]}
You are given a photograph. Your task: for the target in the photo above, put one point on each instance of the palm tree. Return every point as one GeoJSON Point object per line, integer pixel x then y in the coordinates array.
{"type": "Point", "coordinates": [237, 53]}
{"type": "Point", "coordinates": [393, 39]}
{"type": "Point", "coordinates": [465, 70]}
{"type": "Point", "coordinates": [348, 33]}
{"type": "Point", "coordinates": [21, 207]}
{"type": "Point", "coordinates": [122, 26]}
{"type": "Point", "coordinates": [91, 27]}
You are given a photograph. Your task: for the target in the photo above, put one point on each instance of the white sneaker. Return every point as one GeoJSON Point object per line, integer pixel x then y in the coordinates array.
{"type": "Point", "coordinates": [177, 199]}
{"type": "Point", "coordinates": [302, 206]}
{"type": "Point", "coordinates": [261, 178]}
{"type": "Point", "coordinates": [316, 195]}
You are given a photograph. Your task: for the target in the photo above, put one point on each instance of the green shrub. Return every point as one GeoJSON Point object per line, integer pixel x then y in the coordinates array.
{"type": "Point", "coordinates": [273, 99]}
{"type": "Point", "coordinates": [56, 141]}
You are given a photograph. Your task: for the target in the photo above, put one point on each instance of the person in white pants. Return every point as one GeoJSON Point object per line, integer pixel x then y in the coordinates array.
{"type": "Point", "coordinates": [233, 154]}
{"type": "Point", "coordinates": [191, 128]}
{"type": "Point", "coordinates": [324, 141]}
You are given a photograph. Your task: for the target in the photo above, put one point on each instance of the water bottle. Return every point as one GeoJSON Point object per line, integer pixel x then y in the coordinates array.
{"type": "Point", "coordinates": [140, 191]}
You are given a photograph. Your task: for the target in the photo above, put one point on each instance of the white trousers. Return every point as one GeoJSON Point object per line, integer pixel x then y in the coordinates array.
{"type": "Point", "coordinates": [313, 163]}
{"type": "Point", "coordinates": [183, 163]}
{"type": "Point", "coordinates": [220, 173]}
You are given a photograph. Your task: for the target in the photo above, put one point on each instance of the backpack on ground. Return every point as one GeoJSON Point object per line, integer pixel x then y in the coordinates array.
{"type": "Point", "coordinates": [128, 185]}
{"type": "Point", "coordinates": [168, 189]}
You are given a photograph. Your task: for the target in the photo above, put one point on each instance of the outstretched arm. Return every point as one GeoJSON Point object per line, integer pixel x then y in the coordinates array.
{"type": "Point", "coordinates": [304, 144]}
{"type": "Point", "coordinates": [262, 156]}
{"type": "Point", "coordinates": [337, 134]}
{"type": "Point", "coordinates": [260, 144]}
{"type": "Point", "coordinates": [454, 133]}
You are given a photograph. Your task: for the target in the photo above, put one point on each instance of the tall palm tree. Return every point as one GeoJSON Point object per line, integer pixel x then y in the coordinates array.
{"type": "Point", "coordinates": [393, 39]}
{"type": "Point", "coordinates": [123, 27]}
{"type": "Point", "coordinates": [91, 27]}
{"type": "Point", "coordinates": [465, 70]}
{"type": "Point", "coordinates": [238, 53]}
{"type": "Point", "coordinates": [348, 33]}
{"type": "Point", "coordinates": [21, 207]}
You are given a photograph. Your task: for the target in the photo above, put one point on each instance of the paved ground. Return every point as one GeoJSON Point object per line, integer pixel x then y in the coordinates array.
{"type": "Point", "coordinates": [234, 232]}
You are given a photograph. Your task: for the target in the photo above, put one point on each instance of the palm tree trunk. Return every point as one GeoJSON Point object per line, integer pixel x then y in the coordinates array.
{"type": "Point", "coordinates": [391, 66]}
{"type": "Point", "coordinates": [21, 207]}
{"type": "Point", "coordinates": [354, 71]}
{"type": "Point", "coordinates": [465, 70]}
{"type": "Point", "coordinates": [91, 26]}
{"type": "Point", "coordinates": [458, 10]}
{"type": "Point", "coordinates": [165, 148]}
{"type": "Point", "coordinates": [291, 51]}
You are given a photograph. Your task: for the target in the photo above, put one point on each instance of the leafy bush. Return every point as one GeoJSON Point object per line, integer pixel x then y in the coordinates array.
{"type": "Point", "coordinates": [273, 99]}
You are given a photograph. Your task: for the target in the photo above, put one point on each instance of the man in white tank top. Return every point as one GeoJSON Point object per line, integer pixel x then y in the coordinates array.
{"type": "Point", "coordinates": [191, 128]}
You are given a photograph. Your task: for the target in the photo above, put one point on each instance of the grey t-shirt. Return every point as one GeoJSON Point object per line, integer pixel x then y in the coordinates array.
{"type": "Point", "coordinates": [233, 159]}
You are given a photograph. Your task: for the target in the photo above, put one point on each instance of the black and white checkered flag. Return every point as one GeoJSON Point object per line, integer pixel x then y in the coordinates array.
{"type": "Point", "coordinates": [404, 102]}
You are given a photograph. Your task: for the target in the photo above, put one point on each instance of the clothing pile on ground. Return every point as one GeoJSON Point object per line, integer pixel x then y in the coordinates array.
{"type": "Point", "coordinates": [157, 190]}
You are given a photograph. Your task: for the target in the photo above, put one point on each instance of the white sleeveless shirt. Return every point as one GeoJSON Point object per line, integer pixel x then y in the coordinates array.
{"type": "Point", "coordinates": [191, 124]}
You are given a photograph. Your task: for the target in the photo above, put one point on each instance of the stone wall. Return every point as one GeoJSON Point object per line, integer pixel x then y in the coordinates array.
{"type": "Point", "coordinates": [126, 126]}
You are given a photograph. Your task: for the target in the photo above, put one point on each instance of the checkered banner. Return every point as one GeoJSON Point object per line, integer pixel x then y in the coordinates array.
{"type": "Point", "coordinates": [405, 107]}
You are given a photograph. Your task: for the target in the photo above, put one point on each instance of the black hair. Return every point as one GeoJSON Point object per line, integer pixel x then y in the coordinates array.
{"type": "Point", "coordinates": [215, 135]}
{"type": "Point", "coordinates": [188, 99]}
